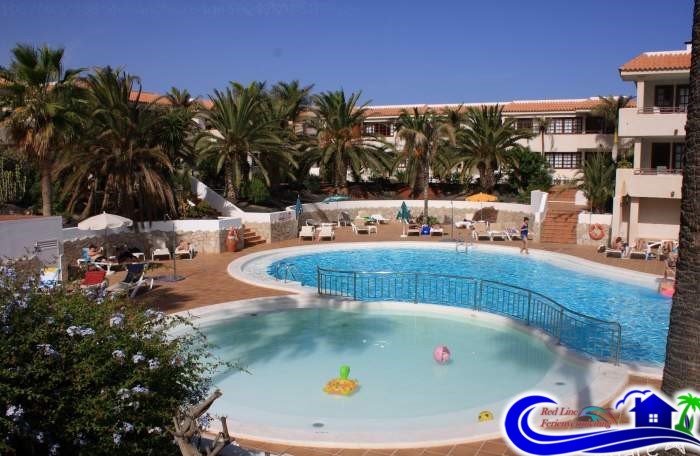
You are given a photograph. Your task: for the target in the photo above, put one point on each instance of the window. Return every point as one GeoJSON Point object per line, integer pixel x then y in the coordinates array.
{"type": "Point", "coordinates": [566, 125]}
{"type": "Point", "coordinates": [598, 125]}
{"type": "Point", "coordinates": [660, 155]}
{"type": "Point", "coordinates": [523, 124]}
{"type": "Point", "coordinates": [378, 128]}
{"type": "Point", "coordinates": [663, 96]}
{"type": "Point", "coordinates": [653, 418]}
{"type": "Point", "coordinates": [564, 160]}
{"type": "Point", "coordinates": [682, 95]}
{"type": "Point", "coordinates": [677, 159]}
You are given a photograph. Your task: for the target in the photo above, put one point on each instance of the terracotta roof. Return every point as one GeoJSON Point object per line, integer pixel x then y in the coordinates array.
{"type": "Point", "coordinates": [659, 61]}
{"type": "Point", "coordinates": [395, 111]}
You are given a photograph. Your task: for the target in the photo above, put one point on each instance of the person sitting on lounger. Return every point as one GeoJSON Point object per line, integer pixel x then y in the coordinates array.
{"type": "Point", "coordinates": [619, 245]}
{"type": "Point", "coordinates": [183, 245]}
{"type": "Point", "coordinates": [95, 253]}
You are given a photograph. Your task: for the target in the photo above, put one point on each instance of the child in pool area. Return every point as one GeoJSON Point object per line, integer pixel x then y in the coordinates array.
{"type": "Point", "coordinates": [523, 235]}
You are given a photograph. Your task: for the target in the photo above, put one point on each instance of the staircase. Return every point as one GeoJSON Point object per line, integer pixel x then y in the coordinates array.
{"type": "Point", "coordinates": [559, 225]}
{"type": "Point", "coordinates": [251, 238]}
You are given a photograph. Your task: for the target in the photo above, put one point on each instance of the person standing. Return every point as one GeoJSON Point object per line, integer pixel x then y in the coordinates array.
{"type": "Point", "coordinates": [523, 235]}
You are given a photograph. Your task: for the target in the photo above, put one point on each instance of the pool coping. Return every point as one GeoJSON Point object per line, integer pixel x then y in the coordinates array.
{"type": "Point", "coordinates": [606, 382]}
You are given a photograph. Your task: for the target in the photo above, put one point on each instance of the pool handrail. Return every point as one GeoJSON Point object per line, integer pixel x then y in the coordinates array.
{"type": "Point", "coordinates": [529, 319]}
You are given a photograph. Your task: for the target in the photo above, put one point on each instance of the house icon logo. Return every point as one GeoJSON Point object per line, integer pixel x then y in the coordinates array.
{"type": "Point", "coordinates": [536, 424]}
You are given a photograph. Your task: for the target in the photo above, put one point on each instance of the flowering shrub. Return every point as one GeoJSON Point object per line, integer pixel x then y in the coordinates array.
{"type": "Point", "coordinates": [80, 377]}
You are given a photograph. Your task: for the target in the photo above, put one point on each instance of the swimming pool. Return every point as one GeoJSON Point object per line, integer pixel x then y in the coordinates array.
{"type": "Point", "coordinates": [405, 397]}
{"type": "Point", "coordinates": [640, 310]}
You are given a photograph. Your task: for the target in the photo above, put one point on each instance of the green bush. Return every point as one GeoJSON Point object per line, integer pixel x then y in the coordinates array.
{"type": "Point", "coordinates": [312, 183]}
{"type": "Point", "coordinates": [81, 377]}
{"type": "Point", "coordinates": [201, 210]}
{"type": "Point", "coordinates": [257, 191]}
{"type": "Point", "coordinates": [529, 171]}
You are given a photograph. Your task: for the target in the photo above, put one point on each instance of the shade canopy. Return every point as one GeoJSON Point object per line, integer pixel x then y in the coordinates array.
{"type": "Point", "coordinates": [404, 213]}
{"type": "Point", "coordinates": [481, 198]}
{"type": "Point", "coordinates": [335, 199]}
{"type": "Point", "coordinates": [104, 221]}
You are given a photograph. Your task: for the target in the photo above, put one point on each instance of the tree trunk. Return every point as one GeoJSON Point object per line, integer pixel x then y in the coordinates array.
{"type": "Point", "coordinates": [542, 140]}
{"type": "Point", "coordinates": [46, 199]}
{"type": "Point", "coordinates": [615, 144]}
{"type": "Point", "coordinates": [341, 175]}
{"type": "Point", "coordinates": [426, 189]}
{"type": "Point", "coordinates": [682, 368]}
{"type": "Point", "coordinates": [230, 182]}
{"type": "Point", "coordinates": [487, 177]}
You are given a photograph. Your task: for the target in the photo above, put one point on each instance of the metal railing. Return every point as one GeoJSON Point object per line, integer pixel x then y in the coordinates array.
{"type": "Point", "coordinates": [662, 109]}
{"type": "Point", "coordinates": [598, 338]}
{"type": "Point", "coordinates": [656, 171]}
{"type": "Point", "coordinates": [287, 271]}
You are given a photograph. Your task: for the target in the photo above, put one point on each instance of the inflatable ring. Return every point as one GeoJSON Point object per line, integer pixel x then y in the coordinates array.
{"type": "Point", "coordinates": [485, 415]}
{"type": "Point", "coordinates": [596, 232]}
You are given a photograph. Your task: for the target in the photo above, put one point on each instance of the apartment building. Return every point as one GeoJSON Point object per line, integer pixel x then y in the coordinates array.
{"type": "Point", "coordinates": [573, 131]}
{"type": "Point", "coordinates": [647, 197]}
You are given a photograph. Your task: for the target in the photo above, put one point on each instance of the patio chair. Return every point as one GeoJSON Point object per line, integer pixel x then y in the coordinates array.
{"type": "Point", "coordinates": [133, 281]}
{"type": "Point", "coordinates": [189, 250]}
{"type": "Point", "coordinates": [50, 278]}
{"type": "Point", "coordinates": [326, 232]}
{"type": "Point", "coordinates": [413, 230]}
{"type": "Point", "coordinates": [379, 218]}
{"type": "Point", "coordinates": [344, 219]}
{"type": "Point", "coordinates": [480, 231]}
{"type": "Point", "coordinates": [361, 229]}
{"type": "Point", "coordinates": [307, 232]}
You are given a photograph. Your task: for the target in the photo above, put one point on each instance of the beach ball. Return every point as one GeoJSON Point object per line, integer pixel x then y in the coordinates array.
{"type": "Point", "coordinates": [441, 354]}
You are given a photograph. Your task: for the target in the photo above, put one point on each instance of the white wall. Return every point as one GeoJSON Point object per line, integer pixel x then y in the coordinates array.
{"type": "Point", "coordinates": [215, 200]}
{"type": "Point", "coordinates": [18, 237]}
{"type": "Point", "coordinates": [416, 206]}
{"type": "Point", "coordinates": [587, 218]}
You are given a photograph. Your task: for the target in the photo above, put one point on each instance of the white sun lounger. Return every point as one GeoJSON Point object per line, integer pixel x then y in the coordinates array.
{"type": "Point", "coordinates": [326, 232]}
{"type": "Point", "coordinates": [307, 232]}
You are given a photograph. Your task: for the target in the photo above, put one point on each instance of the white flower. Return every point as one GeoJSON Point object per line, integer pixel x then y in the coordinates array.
{"type": "Point", "coordinates": [138, 389]}
{"type": "Point", "coordinates": [153, 364]}
{"type": "Point", "coordinates": [14, 412]}
{"type": "Point", "coordinates": [79, 331]}
{"type": "Point", "coordinates": [47, 349]}
{"type": "Point", "coordinates": [117, 438]}
{"type": "Point", "coordinates": [72, 330]}
{"type": "Point", "coordinates": [119, 355]}
{"type": "Point", "coordinates": [87, 332]}
{"type": "Point", "coordinates": [177, 361]}
{"type": "Point", "coordinates": [138, 357]}
{"type": "Point", "coordinates": [53, 451]}
{"type": "Point", "coordinates": [123, 393]}
{"type": "Point", "coordinates": [39, 436]}
{"type": "Point", "coordinates": [117, 319]}
{"type": "Point", "coordinates": [134, 404]}
{"type": "Point", "coordinates": [157, 316]}
{"type": "Point", "coordinates": [155, 430]}
{"type": "Point", "coordinates": [127, 427]}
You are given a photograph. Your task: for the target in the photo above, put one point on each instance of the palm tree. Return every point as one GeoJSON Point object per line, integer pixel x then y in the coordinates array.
{"type": "Point", "coordinates": [609, 110]}
{"type": "Point", "coordinates": [692, 404]}
{"type": "Point", "coordinates": [488, 142]}
{"type": "Point", "coordinates": [425, 138]}
{"type": "Point", "coordinates": [41, 96]}
{"type": "Point", "coordinates": [542, 125]}
{"type": "Point", "coordinates": [682, 367]}
{"type": "Point", "coordinates": [597, 180]}
{"type": "Point", "coordinates": [121, 154]}
{"type": "Point", "coordinates": [340, 144]}
{"type": "Point", "coordinates": [241, 126]}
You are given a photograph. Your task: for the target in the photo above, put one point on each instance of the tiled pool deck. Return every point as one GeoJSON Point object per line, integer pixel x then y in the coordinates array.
{"type": "Point", "coordinates": [207, 282]}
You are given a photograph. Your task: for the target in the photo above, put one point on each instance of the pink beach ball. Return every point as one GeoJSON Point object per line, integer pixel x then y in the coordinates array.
{"type": "Point", "coordinates": [441, 354]}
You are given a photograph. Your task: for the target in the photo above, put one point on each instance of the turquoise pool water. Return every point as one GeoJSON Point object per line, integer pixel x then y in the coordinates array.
{"type": "Point", "coordinates": [642, 312]}
{"type": "Point", "coordinates": [291, 354]}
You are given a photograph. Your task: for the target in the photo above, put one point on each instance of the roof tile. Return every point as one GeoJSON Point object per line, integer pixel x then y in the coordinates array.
{"type": "Point", "coordinates": [659, 61]}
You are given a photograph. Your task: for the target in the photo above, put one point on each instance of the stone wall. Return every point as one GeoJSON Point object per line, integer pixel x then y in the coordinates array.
{"type": "Point", "coordinates": [583, 238]}
{"type": "Point", "coordinates": [281, 231]}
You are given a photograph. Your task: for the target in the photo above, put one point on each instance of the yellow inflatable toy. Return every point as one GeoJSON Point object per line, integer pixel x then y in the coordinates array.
{"type": "Point", "coordinates": [485, 415]}
{"type": "Point", "coordinates": [342, 385]}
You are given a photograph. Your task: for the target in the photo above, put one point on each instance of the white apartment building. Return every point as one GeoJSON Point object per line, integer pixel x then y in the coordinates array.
{"type": "Point", "coordinates": [647, 197]}
{"type": "Point", "coordinates": [573, 131]}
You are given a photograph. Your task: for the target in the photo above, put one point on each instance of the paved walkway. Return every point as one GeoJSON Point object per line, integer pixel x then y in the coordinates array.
{"type": "Point", "coordinates": [207, 282]}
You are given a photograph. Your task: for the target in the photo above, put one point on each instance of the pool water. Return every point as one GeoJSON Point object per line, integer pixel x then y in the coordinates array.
{"type": "Point", "coordinates": [642, 312]}
{"type": "Point", "coordinates": [291, 354]}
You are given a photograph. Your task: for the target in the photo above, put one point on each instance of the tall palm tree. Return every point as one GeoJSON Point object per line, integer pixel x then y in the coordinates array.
{"type": "Point", "coordinates": [682, 367]}
{"type": "Point", "coordinates": [541, 126]}
{"type": "Point", "coordinates": [41, 96]}
{"type": "Point", "coordinates": [609, 110]}
{"type": "Point", "coordinates": [340, 144]}
{"type": "Point", "coordinates": [241, 127]}
{"type": "Point", "coordinates": [425, 139]}
{"type": "Point", "coordinates": [488, 142]}
{"type": "Point", "coordinates": [597, 180]}
{"type": "Point", "coordinates": [121, 154]}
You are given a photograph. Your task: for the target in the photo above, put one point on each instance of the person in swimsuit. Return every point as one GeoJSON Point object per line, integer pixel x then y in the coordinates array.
{"type": "Point", "coordinates": [523, 235]}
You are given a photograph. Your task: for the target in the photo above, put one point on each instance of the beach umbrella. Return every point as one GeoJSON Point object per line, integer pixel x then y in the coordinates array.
{"type": "Point", "coordinates": [336, 199]}
{"type": "Point", "coordinates": [104, 221]}
{"type": "Point", "coordinates": [481, 198]}
{"type": "Point", "coordinates": [404, 215]}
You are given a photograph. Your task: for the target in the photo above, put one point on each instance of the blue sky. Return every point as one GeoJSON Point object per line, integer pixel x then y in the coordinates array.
{"type": "Point", "coordinates": [396, 52]}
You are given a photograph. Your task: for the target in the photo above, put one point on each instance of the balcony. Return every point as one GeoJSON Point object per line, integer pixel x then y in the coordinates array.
{"type": "Point", "coordinates": [652, 121]}
{"type": "Point", "coordinates": [649, 183]}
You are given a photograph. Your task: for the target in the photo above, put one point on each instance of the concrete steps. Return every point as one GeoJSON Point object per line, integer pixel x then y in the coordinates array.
{"type": "Point", "coordinates": [251, 238]}
{"type": "Point", "coordinates": [559, 226]}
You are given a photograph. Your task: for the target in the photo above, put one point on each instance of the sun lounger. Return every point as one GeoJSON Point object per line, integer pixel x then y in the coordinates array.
{"type": "Point", "coordinates": [326, 232]}
{"type": "Point", "coordinates": [645, 249]}
{"type": "Point", "coordinates": [189, 251]}
{"type": "Point", "coordinates": [361, 229]}
{"type": "Point", "coordinates": [614, 253]}
{"type": "Point", "coordinates": [312, 222]}
{"type": "Point", "coordinates": [496, 231]}
{"type": "Point", "coordinates": [413, 230]}
{"type": "Point", "coordinates": [480, 231]}
{"type": "Point", "coordinates": [102, 265]}
{"type": "Point", "coordinates": [307, 232]}
{"type": "Point", "coordinates": [513, 233]}
{"type": "Point", "coordinates": [133, 281]}
{"type": "Point", "coordinates": [159, 252]}
{"type": "Point", "coordinates": [93, 279]}
{"type": "Point", "coordinates": [379, 218]}
{"type": "Point", "coordinates": [436, 231]}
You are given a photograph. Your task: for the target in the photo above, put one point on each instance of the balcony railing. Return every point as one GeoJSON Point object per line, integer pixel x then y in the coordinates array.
{"type": "Point", "coordinates": [598, 338]}
{"type": "Point", "coordinates": [662, 109]}
{"type": "Point", "coordinates": [656, 171]}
